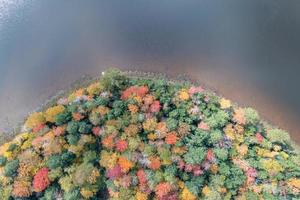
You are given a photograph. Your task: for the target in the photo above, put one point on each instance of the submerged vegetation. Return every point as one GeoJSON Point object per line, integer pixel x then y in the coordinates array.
{"type": "Point", "coordinates": [135, 138]}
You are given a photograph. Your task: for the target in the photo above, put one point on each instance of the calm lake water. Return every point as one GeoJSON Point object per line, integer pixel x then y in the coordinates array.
{"type": "Point", "coordinates": [248, 51]}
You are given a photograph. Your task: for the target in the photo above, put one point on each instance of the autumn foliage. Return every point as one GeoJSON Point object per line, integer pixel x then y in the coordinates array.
{"type": "Point", "coordinates": [134, 138]}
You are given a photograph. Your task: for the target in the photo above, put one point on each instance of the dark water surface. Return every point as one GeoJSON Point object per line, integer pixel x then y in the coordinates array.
{"type": "Point", "coordinates": [248, 51]}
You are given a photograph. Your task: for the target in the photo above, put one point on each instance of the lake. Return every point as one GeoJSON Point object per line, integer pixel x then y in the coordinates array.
{"type": "Point", "coordinates": [247, 51]}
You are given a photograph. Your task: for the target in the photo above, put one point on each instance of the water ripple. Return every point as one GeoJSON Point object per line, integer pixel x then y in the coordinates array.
{"type": "Point", "coordinates": [9, 8]}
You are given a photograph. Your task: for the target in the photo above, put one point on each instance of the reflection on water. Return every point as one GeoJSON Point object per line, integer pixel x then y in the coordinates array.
{"type": "Point", "coordinates": [248, 51]}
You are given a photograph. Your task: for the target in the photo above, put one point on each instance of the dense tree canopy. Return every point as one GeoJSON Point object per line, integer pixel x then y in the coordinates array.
{"type": "Point", "coordinates": [137, 138]}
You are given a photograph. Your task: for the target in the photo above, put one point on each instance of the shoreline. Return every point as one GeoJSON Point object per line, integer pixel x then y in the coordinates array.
{"type": "Point", "coordinates": [85, 80]}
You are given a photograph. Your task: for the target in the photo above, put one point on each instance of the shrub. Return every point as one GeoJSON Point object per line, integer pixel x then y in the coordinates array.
{"type": "Point", "coordinates": [21, 189]}
{"type": "Point", "coordinates": [89, 156]}
{"type": "Point", "coordinates": [194, 184]}
{"type": "Point", "coordinates": [163, 189]}
{"type": "Point", "coordinates": [12, 147]}
{"type": "Point", "coordinates": [95, 118]}
{"type": "Point", "coordinates": [73, 127]}
{"type": "Point", "coordinates": [2, 161]}
{"type": "Point", "coordinates": [11, 167]}
{"type": "Point", "coordinates": [278, 135]}
{"type": "Point", "coordinates": [72, 195]}
{"type": "Point", "coordinates": [84, 127]}
{"type": "Point", "coordinates": [54, 161]}
{"type": "Point", "coordinates": [221, 153]}
{"type": "Point", "coordinates": [235, 179]}
{"type": "Point", "coordinates": [52, 112]}
{"type": "Point", "coordinates": [66, 183]}
{"type": "Point", "coordinates": [34, 120]}
{"type": "Point", "coordinates": [197, 138]}
{"type": "Point", "coordinates": [215, 137]}
{"type": "Point", "coordinates": [195, 155]}
{"type": "Point", "coordinates": [82, 173]}
{"type": "Point", "coordinates": [41, 180]}
{"type": "Point", "coordinates": [54, 174]}
{"type": "Point", "coordinates": [62, 160]}
{"type": "Point", "coordinates": [121, 145]}
{"type": "Point", "coordinates": [67, 158]}
{"type": "Point", "coordinates": [50, 193]}
{"type": "Point", "coordinates": [172, 124]}
{"type": "Point", "coordinates": [72, 139]}
{"type": "Point", "coordinates": [62, 118]}
{"type": "Point", "coordinates": [94, 88]}
{"type": "Point", "coordinates": [150, 124]}
{"type": "Point", "coordinates": [218, 119]}
{"type": "Point", "coordinates": [113, 80]}
{"type": "Point", "coordinates": [251, 116]}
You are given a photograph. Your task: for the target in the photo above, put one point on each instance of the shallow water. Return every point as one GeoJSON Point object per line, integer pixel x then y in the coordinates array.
{"type": "Point", "coordinates": [246, 51]}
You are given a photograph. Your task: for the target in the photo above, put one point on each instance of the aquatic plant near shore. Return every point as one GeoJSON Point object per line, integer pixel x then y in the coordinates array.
{"type": "Point", "coordinates": [139, 138]}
